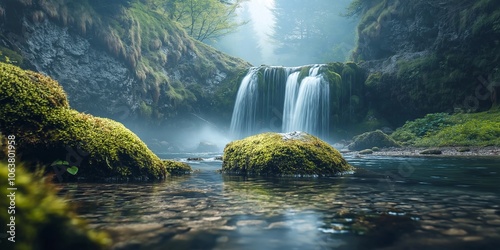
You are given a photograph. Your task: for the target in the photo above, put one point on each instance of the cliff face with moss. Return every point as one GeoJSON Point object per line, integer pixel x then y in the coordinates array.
{"type": "Point", "coordinates": [119, 59]}
{"type": "Point", "coordinates": [427, 56]}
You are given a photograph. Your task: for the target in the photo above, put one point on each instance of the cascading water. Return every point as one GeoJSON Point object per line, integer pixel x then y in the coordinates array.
{"type": "Point", "coordinates": [245, 107]}
{"type": "Point", "coordinates": [271, 94]}
{"type": "Point", "coordinates": [292, 89]}
{"type": "Point", "coordinates": [311, 111]}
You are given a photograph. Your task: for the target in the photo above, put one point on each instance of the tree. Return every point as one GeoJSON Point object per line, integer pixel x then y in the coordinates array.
{"type": "Point", "coordinates": [312, 31]}
{"type": "Point", "coordinates": [204, 19]}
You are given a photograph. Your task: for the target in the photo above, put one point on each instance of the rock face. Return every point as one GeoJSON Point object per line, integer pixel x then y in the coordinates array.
{"type": "Point", "coordinates": [428, 57]}
{"type": "Point", "coordinates": [95, 81]}
{"type": "Point", "coordinates": [126, 62]}
{"type": "Point", "coordinates": [276, 154]}
{"type": "Point", "coordinates": [372, 139]}
{"type": "Point", "coordinates": [35, 109]}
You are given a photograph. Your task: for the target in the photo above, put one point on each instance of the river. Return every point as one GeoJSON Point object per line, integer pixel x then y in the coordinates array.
{"type": "Point", "coordinates": [388, 203]}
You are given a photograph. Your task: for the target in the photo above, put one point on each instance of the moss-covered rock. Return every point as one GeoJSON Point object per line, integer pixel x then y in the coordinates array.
{"type": "Point", "coordinates": [372, 139]}
{"type": "Point", "coordinates": [42, 219]}
{"type": "Point", "coordinates": [276, 154]}
{"type": "Point", "coordinates": [177, 168]}
{"type": "Point", "coordinates": [36, 111]}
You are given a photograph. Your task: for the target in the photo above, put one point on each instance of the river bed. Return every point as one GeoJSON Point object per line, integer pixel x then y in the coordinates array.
{"type": "Point", "coordinates": [388, 203]}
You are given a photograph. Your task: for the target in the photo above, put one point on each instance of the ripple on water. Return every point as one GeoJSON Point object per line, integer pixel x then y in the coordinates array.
{"type": "Point", "coordinates": [222, 212]}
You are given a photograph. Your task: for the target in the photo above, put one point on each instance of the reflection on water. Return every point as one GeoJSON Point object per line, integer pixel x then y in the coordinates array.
{"type": "Point", "coordinates": [389, 203]}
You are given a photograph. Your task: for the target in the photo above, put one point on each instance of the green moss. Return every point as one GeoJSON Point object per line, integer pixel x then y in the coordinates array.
{"type": "Point", "coordinates": [141, 34]}
{"type": "Point", "coordinates": [10, 56]}
{"type": "Point", "coordinates": [372, 139]}
{"type": "Point", "coordinates": [36, 111]}
{"type": "Point", "coordinates": [304, 72]}
{"type": "Point", "coordinates": [43, 219]}
{"type": "Point", "coordinates": [463, 129]}
{"type": "Point", "coordinates": [283, 154]}
{"type": "Point", "coordinates": [177, 168]}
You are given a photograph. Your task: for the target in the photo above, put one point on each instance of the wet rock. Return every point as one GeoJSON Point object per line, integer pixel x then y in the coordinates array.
{"type": "Point", "coordinates": [278, 225]}
{"type": "Point", "coordinates": [431, 152]}
{"type": "Point", "coordinates": [195, 159]}
{"type": "Point", "coordinates": [250, 223]}
{"type": "Point", "coordinates": [462, 150]}
{"type": "Point", "coordinates": [455, 232]}
{"type": "Point", "coordinates": [372, 139]}
{"type": "Point", "coordinates": [366, 152]}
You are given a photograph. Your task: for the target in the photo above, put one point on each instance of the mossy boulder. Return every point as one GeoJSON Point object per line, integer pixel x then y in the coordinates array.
{"type": "Point", "coordinates": [43, 220]}
{"type": "Point", "coordinates": [177, 168]}
{"type": "Point", "coordinates": [276, 154]}
{"type": "Point", "coordinates": [36, 111]}
{"type": "Point", "coordinates": [372, 139]}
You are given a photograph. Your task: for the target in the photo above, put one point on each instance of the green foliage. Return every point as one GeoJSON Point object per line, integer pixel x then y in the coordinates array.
{"type": "Point", "coordinates": [372, 139]}
{"type": "Point", "coordinates": [346, 87]}
{"type": "Point", "coordinates": [35, 109]}
{"type": "Point", "coordinates": [462, 129]}
{"type": "Point", "coordinates": [10, 56]}
{"type": "Point", "coordinates": [272, 154]}
{"type": "Point", "coordinates": [64, 164]}
{"type": "Point", "coordinates": [423, 126]}
{"type": "Point", "coordinates": [311, 31]}
{"type": "Point", "coordinates": [43, 220]}
{"type": "Point", "coordinates": [140, 33]}
{"type": "Point", "coordinates": [145, 110]}
{"type": "Point", "coordinates": [355, 8]}
{"type": "Point", "coordinates": [204, 19]}
{"type": "Point", "coordinates": [177, 168]}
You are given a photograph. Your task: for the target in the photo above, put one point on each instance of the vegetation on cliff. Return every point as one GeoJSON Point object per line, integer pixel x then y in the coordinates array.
{"type": "Point", "coordinates": [289, 154]}
{"type": "Point", "coordinates": [427, 57]}
{"type": "Point", "coordinates": [42, 219]}
{"type": "Point", "coordinates": [461, 129]}
{"type": "Point", "coordinates": [171, 68]}
{"type": "Point", "coordinates": [36, 111]}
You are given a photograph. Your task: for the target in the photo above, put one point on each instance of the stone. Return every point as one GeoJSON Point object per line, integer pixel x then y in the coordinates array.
{"type": "Point", "coordinates": [289, 154]}
{"type": "Point", "coordinates": [431, 152]}
{"type": "Point", "coordinates": [100, 148]}
{"type": "Point", "coordinates": [455, 232]}
{"type": "Point", "coordinates": [372, 139]}
{"type": "Point", "coordinates": [366, 152]}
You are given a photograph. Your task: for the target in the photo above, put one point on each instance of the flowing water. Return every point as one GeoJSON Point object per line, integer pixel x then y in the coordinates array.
{"type": "Point", "coordinates": [276, 99]}
{"type": "Point", "coordinates": [388, 203]}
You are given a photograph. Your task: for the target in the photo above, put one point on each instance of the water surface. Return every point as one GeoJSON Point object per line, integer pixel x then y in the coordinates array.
{"type": "Point", "coordinates": [388, 203]}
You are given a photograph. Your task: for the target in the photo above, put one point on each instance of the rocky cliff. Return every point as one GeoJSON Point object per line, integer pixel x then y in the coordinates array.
{"type": "Point", "coordinates": [429, 56]}
{"type": "Point", "coordinates": [119, 59]}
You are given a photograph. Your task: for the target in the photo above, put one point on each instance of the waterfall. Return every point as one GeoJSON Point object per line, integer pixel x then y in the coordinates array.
{"type": "Point", "coordinates": [279, 102]}
{"type": "Point", "coordinates": [311, 111]}
{"type": "Point", "coordinates": [291, 91]}
{"type": "Point", "coordinates": [245, 107]}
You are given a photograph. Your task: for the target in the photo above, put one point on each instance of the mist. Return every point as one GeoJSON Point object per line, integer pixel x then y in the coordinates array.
{"type": "Point", "coordinates": [291, 33]}
{"type": "Point", "coordinates": [190, 133]}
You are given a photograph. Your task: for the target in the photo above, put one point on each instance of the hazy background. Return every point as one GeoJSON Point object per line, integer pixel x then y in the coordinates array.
{"type": "Point", "coordinates": [291, 32]}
